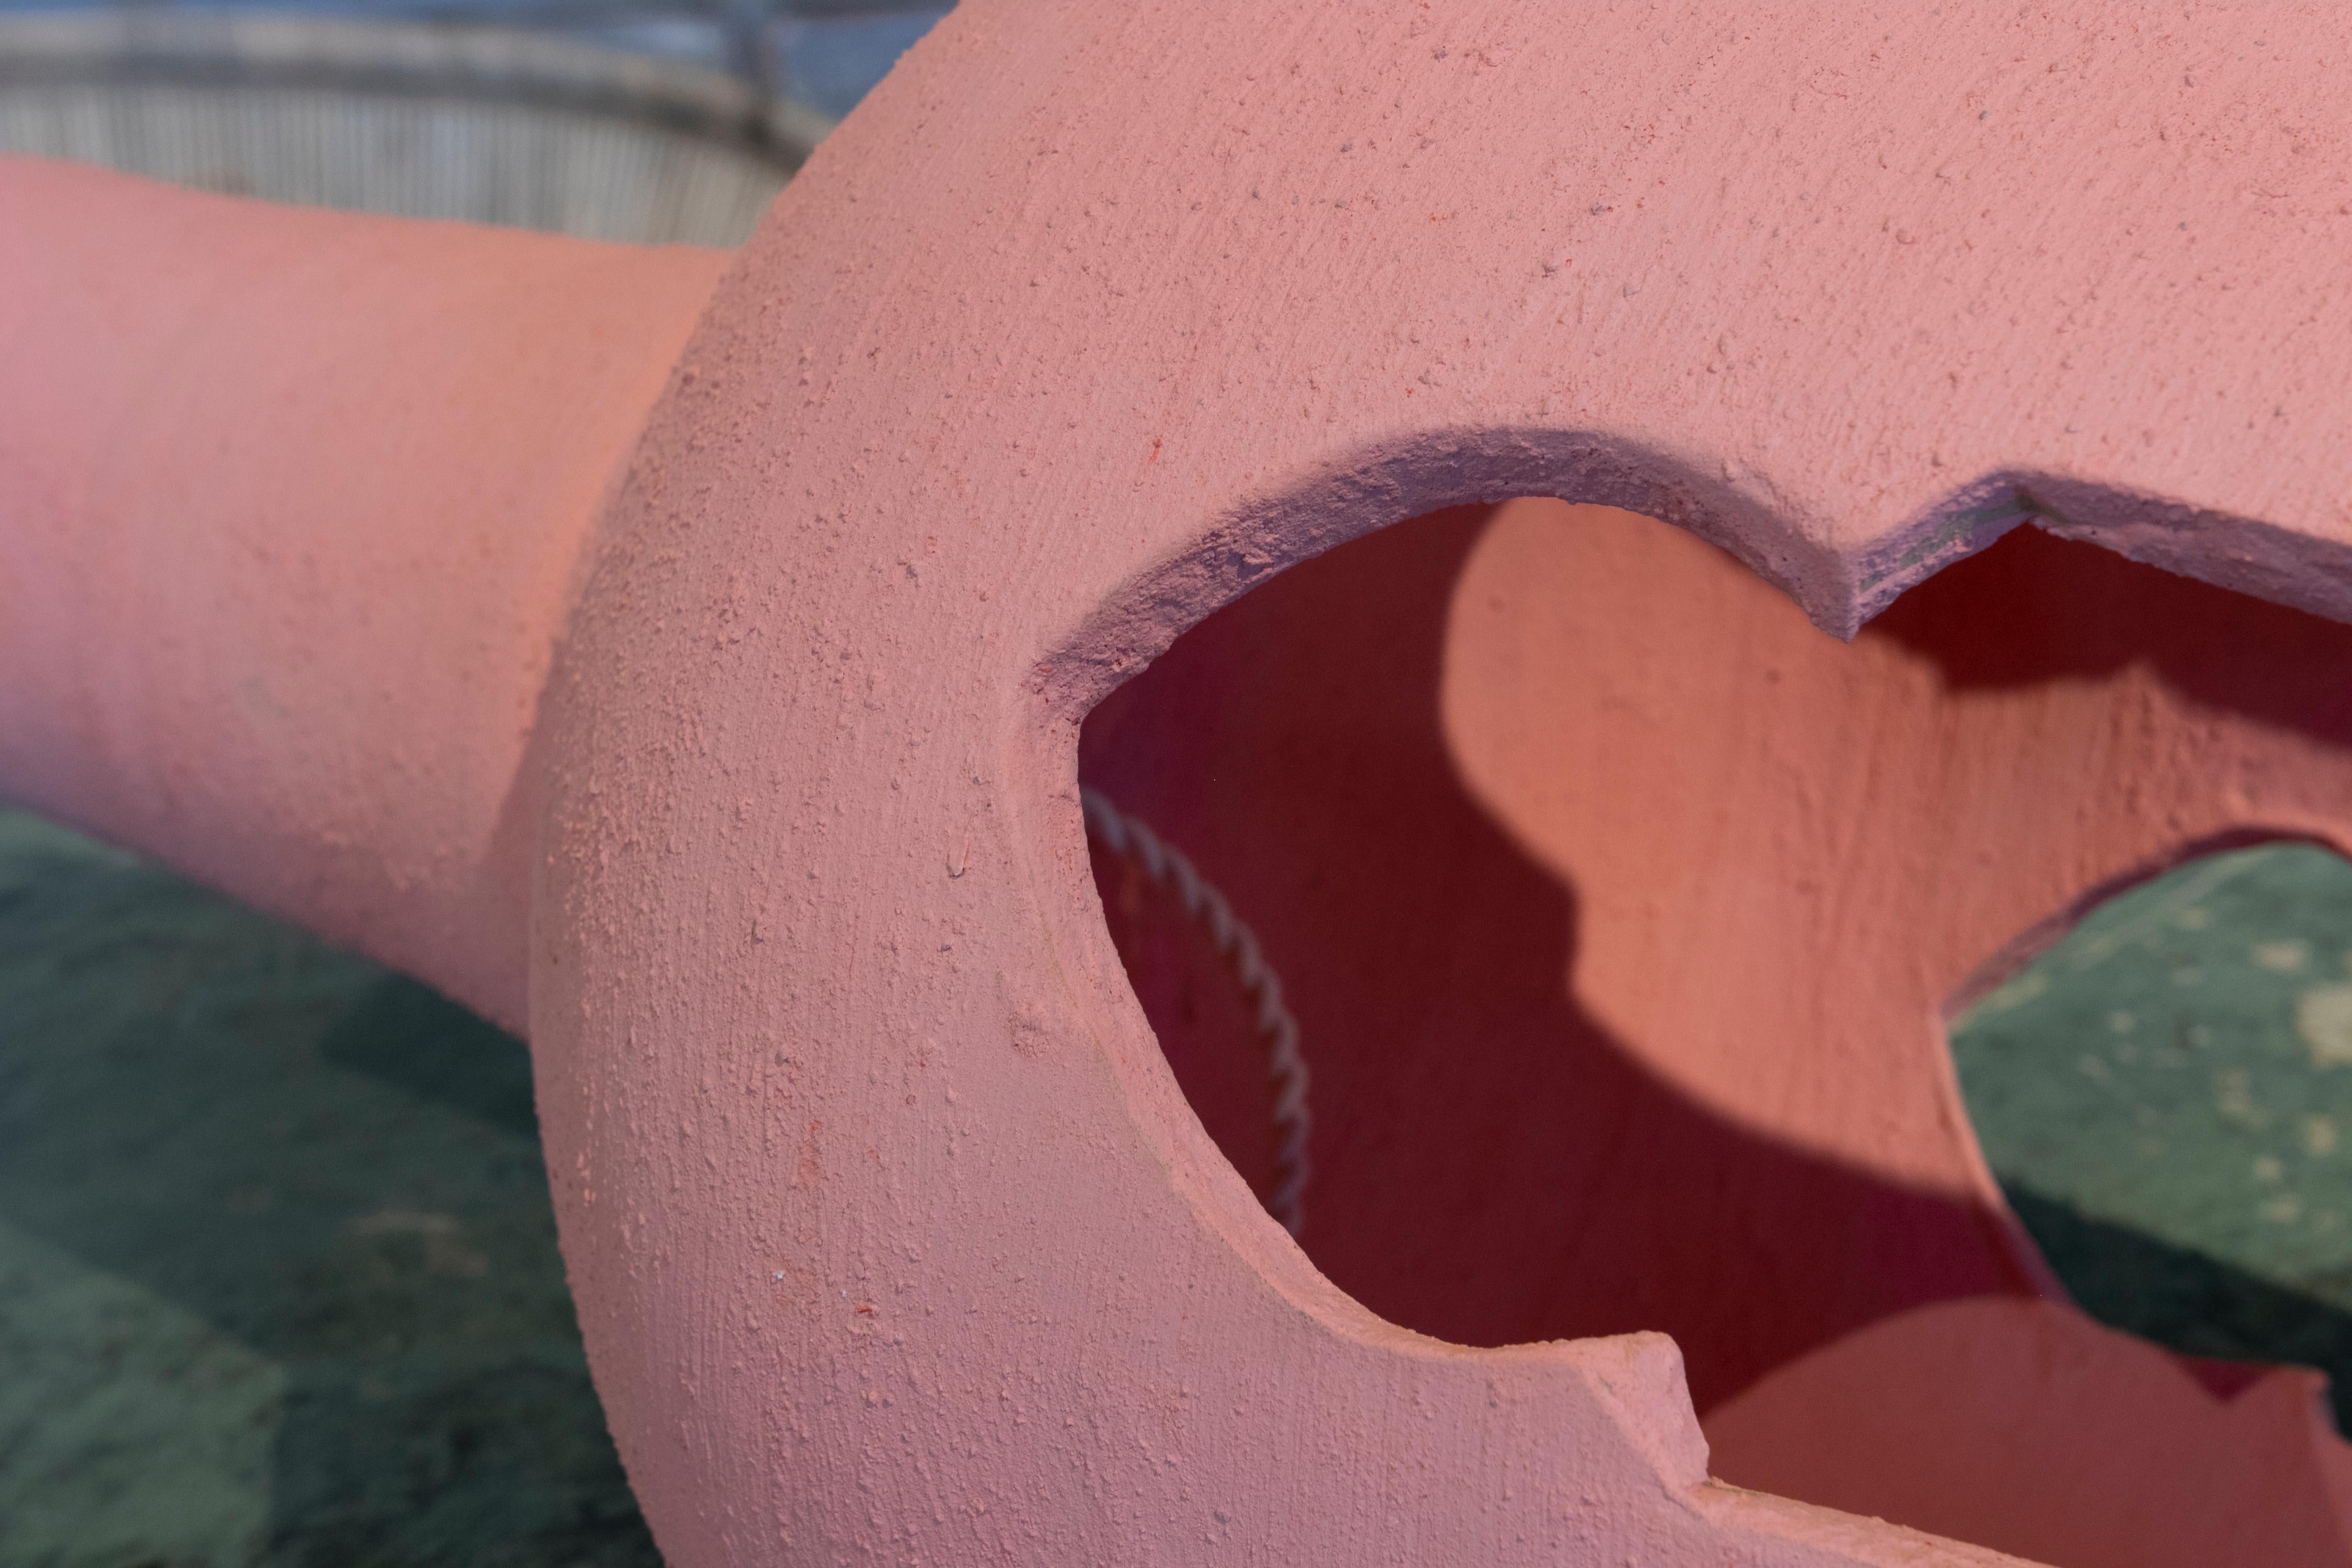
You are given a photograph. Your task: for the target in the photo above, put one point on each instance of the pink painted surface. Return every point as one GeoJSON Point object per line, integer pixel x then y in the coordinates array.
{"type": "Point", "coordinates": [2028, 1427]}
{"type": "Point", "coordinates": [292, 501]}
{"type": "Point", "coordinates": [892, 1231]}
{"type": "Point", "coordinates": [1618, 906]}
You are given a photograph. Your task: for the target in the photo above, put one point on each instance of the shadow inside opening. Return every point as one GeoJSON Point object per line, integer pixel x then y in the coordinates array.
{"type": "Point", "coordinates": [1515, 801]}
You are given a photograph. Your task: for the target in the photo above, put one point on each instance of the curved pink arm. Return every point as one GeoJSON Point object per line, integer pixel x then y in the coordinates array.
{"type": "Point", "coordinates": [290, 505]}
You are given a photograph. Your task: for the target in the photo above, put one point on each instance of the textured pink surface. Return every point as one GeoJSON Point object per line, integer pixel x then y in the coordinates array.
{"type": "Point", "coordinates": [2026, 1426]}
{"type": "Point", "coordinates": [291, 503]}
{"type": "Point", "coordinates": [893, 1235]}
{"type": "Point", "coordinates": [1618, 905]}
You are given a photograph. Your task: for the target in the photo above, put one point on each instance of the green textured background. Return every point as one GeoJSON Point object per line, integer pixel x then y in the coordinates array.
{"type": "Point", "coordinates": [278, 1282]}
{"type": "Point", "coordinates": [2166, 1098]}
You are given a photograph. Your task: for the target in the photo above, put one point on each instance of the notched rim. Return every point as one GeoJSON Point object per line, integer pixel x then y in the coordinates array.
{"type": "Point", "coordinates": [1839, 591]}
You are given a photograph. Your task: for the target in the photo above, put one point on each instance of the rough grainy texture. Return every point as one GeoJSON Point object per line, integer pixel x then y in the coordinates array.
{"type": "Point", "coordinates": [1616, 906]}
{"type": "Point", "coordinates": [292, 504]}
{"type": "Point", "coordinates": [1091, 326]}
{"type": "Point", "coordinates": [278, 1282]}
{"type": "Point", "coordinates": [892, 1233]}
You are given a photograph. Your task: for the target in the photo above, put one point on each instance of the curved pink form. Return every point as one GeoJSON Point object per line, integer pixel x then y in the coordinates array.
{"type": "Point", "coordinates": [1934, 1418]}
{"type": "Point", "coordinates": [893, 1236]}
{"type": "Point", "coordinates": [292, 505]}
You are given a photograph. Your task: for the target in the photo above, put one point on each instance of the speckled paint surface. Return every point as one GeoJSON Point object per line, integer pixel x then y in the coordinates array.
{"type": "Point", "coordinates": [891, 1231]}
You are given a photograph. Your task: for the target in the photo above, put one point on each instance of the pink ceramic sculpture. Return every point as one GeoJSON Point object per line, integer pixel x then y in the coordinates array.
{"type": "Point", "coordinates": [694, 662]}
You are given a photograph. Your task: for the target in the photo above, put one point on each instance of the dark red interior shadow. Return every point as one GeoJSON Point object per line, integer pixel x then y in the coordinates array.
{"type": "Point", "coordinates": [2036, 607]}
{"type": "Point", "coordinates": [1491, 1166]}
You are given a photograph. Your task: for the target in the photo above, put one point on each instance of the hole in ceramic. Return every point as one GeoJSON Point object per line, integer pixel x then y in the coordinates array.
{"type": "Point", "coordinates": [1618, 906]}
{"type": "Point", "coordinates": [2158, 1093]}
{"type": "Point", "coordinates": [1366, 755]}
{"type": "Point", "coordinates": [2166, 1097]}
{"type": "Point", "coordinates": [278, 1263]}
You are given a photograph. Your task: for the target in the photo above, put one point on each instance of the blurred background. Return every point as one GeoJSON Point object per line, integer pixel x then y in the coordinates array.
{"type": "Point", "coordinates": [278, 1282]}
{"type": "Point", "coordinates": [649, 122]}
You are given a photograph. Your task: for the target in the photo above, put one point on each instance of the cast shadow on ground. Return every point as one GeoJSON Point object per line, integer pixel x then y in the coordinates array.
{"type": "Point", "coordinates": [419, 1041]}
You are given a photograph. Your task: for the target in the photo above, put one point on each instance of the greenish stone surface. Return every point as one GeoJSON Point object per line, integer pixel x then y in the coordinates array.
{"type": "Point", "coordinates": [2166, 1098]}
{"type": "Point", "coordinates": [278, 1282]}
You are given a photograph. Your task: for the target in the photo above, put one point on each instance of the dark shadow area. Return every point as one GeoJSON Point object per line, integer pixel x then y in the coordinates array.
{"type": "Point", "coordinates": [2188, 1302]}
{"type": "Point", "coordinates": [419, 1041]}
{"type": "Point", "coordinates": [2035, 608]}
{"type": "Point", "coordinates": [1492, 1166]}
{"type": "Point", "coordinates": [327, 1179]}
{"type": "Point", "coordinates": [2161, 1095]}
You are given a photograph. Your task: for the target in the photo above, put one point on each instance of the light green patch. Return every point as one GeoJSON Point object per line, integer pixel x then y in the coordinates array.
{"type": "Point", "coordinates": [2323, 1021]}
{"type": "Point", "coordinates": [224, 1144]}
{"type": "Point", "coordinates": [2291, 956]}
{"type": "Point", "coordinates": [150, 1433]}
{"type": "Point", "coordinates": [2176, 1147]}
{"type": "Point", "coordinates": [2021, 989]}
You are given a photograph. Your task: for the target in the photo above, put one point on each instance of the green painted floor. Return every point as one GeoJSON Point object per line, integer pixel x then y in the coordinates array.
{"type": "Point", "coordinates": [278, 1282]}
{"type": "Point", "coordinates": [2166, 1096]}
